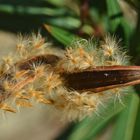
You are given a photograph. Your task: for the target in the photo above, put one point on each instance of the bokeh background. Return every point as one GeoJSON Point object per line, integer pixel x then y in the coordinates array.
{"type": "Point", "coordinates": [60, 22]}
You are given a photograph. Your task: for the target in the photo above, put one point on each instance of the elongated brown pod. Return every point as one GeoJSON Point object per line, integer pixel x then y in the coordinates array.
{"type": "Point", "coordinates": [97, 79]}
{"type": "Point", "coordinates": [41, 59]}
{"type": "Point", "coordinates": [103, 78]}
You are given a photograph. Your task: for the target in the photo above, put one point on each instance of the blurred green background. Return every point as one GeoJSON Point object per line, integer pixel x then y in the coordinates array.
{"type": "Point", "coordinates": [61, 21]}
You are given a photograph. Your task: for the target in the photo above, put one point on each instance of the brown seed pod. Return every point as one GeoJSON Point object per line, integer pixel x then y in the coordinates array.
{"type": "Point", "coordinates": [47, 59]}
{"type": "Point", "coordinates": [103, 78]}
{"type": "Point", "coordinates": [68, 83]}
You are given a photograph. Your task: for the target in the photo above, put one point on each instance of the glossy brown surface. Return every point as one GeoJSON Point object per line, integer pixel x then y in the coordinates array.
{"type": "Point", "coordinates": [103, 78]}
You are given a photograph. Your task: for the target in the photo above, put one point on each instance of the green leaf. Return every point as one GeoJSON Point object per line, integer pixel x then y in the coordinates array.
{"type": "Point", "coordinates": [90, 127]}
{"type": "Point", "coordinates": [114, 13]}
{"type": "Point", "coordinates": [56, 2]}
{"type": "Point", "coordinates": [65, 22]}
{"type": "Point", "coordinates": [125, 123]}
{"type": "Point", "coordinates": [117, 23]}
{"type": "Point", "coordinates": [30, 10]}
{"type": "Point", "coordinates": [128, 31]}
{"type": "Point", "coordinates": [136, 134]}
{"type": "Point", "coordinates": [61, 35]}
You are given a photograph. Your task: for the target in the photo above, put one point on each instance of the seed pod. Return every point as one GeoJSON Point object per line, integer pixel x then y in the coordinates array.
{"type": "Point", "coordinates": [102, 78]}
{"type": "Point", "coordinates": [41, 59]}
{"type": "Point", "coordinates": [66, 82]}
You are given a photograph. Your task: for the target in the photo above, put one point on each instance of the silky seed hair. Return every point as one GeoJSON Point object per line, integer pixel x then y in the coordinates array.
{"type": "Point", "coordinates": [34, 74]}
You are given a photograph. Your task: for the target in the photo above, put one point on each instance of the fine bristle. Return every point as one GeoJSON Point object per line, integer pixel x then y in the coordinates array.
{"type": "Point", "coordinates": [35, 74]}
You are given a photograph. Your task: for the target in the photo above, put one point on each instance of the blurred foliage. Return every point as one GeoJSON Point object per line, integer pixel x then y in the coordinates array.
{"type": "Point", "coordinates": [64, 20]}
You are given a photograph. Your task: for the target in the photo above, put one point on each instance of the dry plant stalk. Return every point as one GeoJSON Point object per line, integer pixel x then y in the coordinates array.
{"type": "Point", "coordinates": [75, 82]}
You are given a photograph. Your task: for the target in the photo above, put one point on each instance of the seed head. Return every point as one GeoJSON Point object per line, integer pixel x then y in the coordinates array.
{"type": "Point", "coordinates": [60, 80]}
